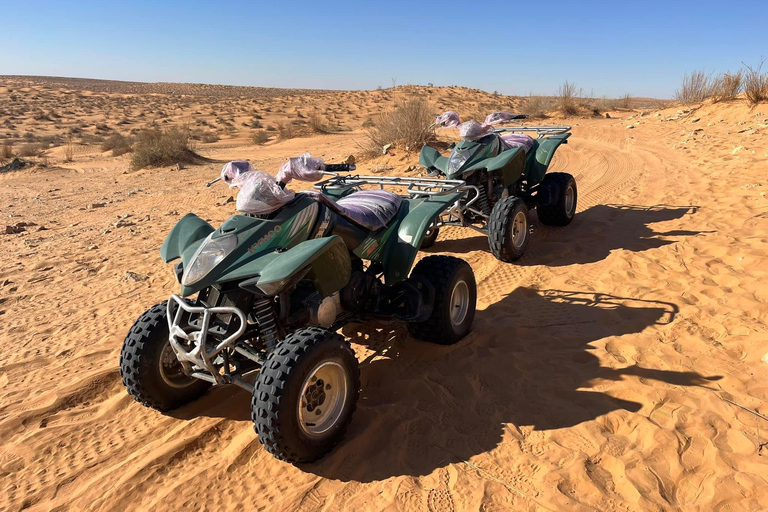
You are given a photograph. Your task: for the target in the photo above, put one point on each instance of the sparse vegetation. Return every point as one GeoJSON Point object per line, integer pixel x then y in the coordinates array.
{"type": "Point", "coordinates": [755, 84]}
{"type": "Point", "coordinates": [7, 150]}
{"type": "Point", "coordinates": [537, 106]}
{"type": "Point", "coordinates": [156, 148]}
{"type": "Point", "coordinates": [30, 149]}
{"type": "Point", "coordinates": [117, 143]}
{"type": "Point", "coordinates": [727, 86]}
{"type": "Point", "coordinates": [260, 137]}
{"type": "Point", "coordinates": [69, 150]}
{"type": "Point", "coordinates": [318, 124]}
{"type": "Point", "coordinates": [285, 129]}
{"type": "Point", "coordinates": [407, 125]}
{"type": "Point", "coordinates": [696, 87]}
{"type": "Point", "coordinates": [566, 98]}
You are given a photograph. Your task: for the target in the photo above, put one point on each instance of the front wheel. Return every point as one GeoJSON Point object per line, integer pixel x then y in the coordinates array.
{"type": "Point", "coordinates": [430, 237]}
{"type": "Point", "coordinates": [508, 229]}
{"type": "Point", "coordinates": [453, 309]}
{"type": "Point", "coordinates": [305, 395]}
{"type": "Point", "coordinates": [149, 368]}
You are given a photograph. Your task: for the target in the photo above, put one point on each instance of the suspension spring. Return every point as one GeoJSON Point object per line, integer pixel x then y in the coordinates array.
{"type": "Point", "coordinates": [265, 316]}
{"type": "Point", "coordinates": [482, 200]}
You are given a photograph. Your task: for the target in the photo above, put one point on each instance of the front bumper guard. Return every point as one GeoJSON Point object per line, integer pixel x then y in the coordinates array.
{"type": "Point", "coordinates": [200, 354]}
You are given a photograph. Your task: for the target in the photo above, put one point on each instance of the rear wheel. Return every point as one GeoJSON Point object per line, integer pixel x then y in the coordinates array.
{"type": "Point", "coordinates": [149, 368]}
{"type": "Point", "coordinates": [508, 229]}
{"type": "Point", "coordinates": [455, 299]}
{"type": "Point", "coordinates": [305, 395]}
{"type": "Point", "coordinates": [563, 187]}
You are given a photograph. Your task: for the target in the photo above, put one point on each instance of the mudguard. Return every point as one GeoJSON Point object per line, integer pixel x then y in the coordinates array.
{"type": "Point", "coordinates": [327, 259]}
{"type": "Point", "coordinates": [540, 157]}
{"type": "Point", "coordinates": [431, 158]}
{"type": "Point", "coordinates": [185, 237]}
{"type": "Point", "coordinates": [415, 216]}
{"type": "Point", "coordinates": [510, 164]}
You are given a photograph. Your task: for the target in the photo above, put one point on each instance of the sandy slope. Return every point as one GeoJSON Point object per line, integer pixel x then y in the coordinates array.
{"type": "Point", "coordinates": [595, 377]}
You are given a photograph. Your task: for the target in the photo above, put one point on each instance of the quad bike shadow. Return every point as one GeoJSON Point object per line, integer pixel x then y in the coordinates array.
{"type": "Point", "coordinates": [606, 228]}
{"type": "Point", "coordinates": [528, 363]}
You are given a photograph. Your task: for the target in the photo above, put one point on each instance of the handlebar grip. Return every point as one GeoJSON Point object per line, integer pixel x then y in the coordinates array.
{"type": "Point", "coordinates": [521, 116]}
{"type": "Point", "coordinates": [339, 167]}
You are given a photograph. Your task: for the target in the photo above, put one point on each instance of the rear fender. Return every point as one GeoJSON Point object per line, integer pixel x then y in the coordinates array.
{"type": "Point", "coordinates": [185, 237]}
{"type": "Point", "coordinates": [323, 260]}
{"type": "Point", "coordinates": [540, 157]}
{"type": "Point", "coordinates": [419, 215]}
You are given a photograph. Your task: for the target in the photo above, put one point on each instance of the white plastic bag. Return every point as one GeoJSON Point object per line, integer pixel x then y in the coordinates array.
{"type": "Point", "coordinates": [498, 118]}
{"type": "Point", "coordinates": [259, 192]}
{"type": "Point", "coordinates": [232, 170]}
{"type": "Point", "coordinates": [448, 119]}
{"type": "Point", "coordinates": [302, 168]}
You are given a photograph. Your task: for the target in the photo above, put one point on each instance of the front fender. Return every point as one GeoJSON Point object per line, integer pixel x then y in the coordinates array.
{"type": "Point", "coordinates": [186, 235]}
{"type": "Point", "coordinates": [510, 164]}
{"type": "Point", "coordinates": [430, 158]}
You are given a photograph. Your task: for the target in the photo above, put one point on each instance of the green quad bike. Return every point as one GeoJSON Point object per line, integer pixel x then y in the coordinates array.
{"type": "Point", "coordinates": [263, 295]}
{"type": "Point", "coordinates": [506, 176]}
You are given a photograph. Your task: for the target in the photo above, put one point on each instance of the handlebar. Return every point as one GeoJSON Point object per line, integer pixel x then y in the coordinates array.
{"type": "Point", "coordinates": [340, 167]}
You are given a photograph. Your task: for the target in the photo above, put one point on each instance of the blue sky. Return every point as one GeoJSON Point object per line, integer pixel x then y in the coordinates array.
{"type": "Point", "coordinates": [606, 47]}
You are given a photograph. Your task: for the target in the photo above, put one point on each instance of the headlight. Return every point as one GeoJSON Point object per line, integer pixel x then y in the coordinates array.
{"type": "Point", "coordinates": [210, 253]}
{"type": "Point", "coordinates": [458, 158]}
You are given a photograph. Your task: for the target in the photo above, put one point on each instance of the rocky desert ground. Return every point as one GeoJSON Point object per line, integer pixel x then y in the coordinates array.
{"type": "Point", "coordinates": [617, 366]}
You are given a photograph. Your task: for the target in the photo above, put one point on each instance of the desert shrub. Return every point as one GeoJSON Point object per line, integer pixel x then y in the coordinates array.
{"type": "Point", "coordinates": [726, 86]}
{"type": "Point", "coordinates": [7, 150]}
{"type": "Point", "coordinates": [30, 149]}
{"type": "Point", "coordinates": [625, 101]}
{"type": "Point", "coordinates": [69, 150]}
{"type": "Point", "coordinates": [755, 84]}
{"type": "Point", "coordinates": [407, 125]}
{"type": "Point", "coordinates": [566, 98]}
{"type": "Point", "coordinates": [285, 129]}
{"type": "Point", "coordinates": [117, 143]}
{"type": "Point", "coordinates": [696, 87]}
{"type": "Point", "coordinates": [537, 106]}
{"type": "Point", "coordinates": [259, 137]}
{"type": "Point", "coordinates": [156, 148]}
{"type": "Point", "coordinates": [318, 124]}
{"type": "Point", "coordinates": [209, 137]}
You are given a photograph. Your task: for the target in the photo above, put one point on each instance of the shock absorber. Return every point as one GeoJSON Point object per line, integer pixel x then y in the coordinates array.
{"type": "Point", "coordinates": [265, 316]}
{"type": "Point", "coordinates": [482, 200]}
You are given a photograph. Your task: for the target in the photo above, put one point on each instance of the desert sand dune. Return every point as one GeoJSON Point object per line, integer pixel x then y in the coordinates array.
{"type": "Point", "coordinates": [602, 372]}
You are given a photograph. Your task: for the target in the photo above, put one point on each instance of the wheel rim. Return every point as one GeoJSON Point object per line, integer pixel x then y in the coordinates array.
{"type": "Point", "coordinates": [519, 229]}
{"type": "Point", "coordinates": [459, 303]}
{"type": "Point", "coordinates": [171, 370]}
{"type": "Point", "coordinates": [569, 201]}
{"type": "Point", "coordinates": [323, 398]}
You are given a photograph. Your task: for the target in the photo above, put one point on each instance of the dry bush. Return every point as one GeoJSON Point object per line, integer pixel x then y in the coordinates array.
{"type": "Point", "coordinates": [117, 143]}
{"type": "Point", "coordinates": [285, 129]}
{"type": "Point", "coordinates": [566, 98]}
{"type": "Point", "coordinates": [755, 84]}
{"type": "Point", "coordinates": [727, 86]}
{"type": "Point", "coordinates": [696, 87]}
{"type": "Point", "coordinates": [625, 101]}
{"type": "Point", "coordinates": [318, 124]}
{"type": "Point", "coordinates": [7, 150]}
{"type": "Point", "coordinates": [30, 149]}
{"type": "Point", "coordinates": [69, 150]}
{"type": "Point", "coordinates": [537, 106]}
{"type": "Point", "coordinates": [260, 137]}
{"type": "Point", "coordinates": [156, 148]}
{"type": "Point", "coordinates": [209, 137]}
{"type": "Point", "coordinates": [407, 125]}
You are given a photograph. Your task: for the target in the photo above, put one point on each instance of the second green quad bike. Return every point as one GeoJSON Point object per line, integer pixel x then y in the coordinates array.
{"type": "Point", "coordinates": [263, 295]}
{"type": "Point", "coordinates": [506, 175]}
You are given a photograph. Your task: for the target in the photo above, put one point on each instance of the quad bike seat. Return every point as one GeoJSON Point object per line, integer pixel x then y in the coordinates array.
{"type": "Point", "coordinates": [369, 209]}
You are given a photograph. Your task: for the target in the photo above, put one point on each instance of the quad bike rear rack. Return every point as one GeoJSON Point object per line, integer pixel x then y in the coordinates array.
{"type": "Point", "coordinates": [415, 187]}
{"type": "Point", "coordinates": [541, 131]}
